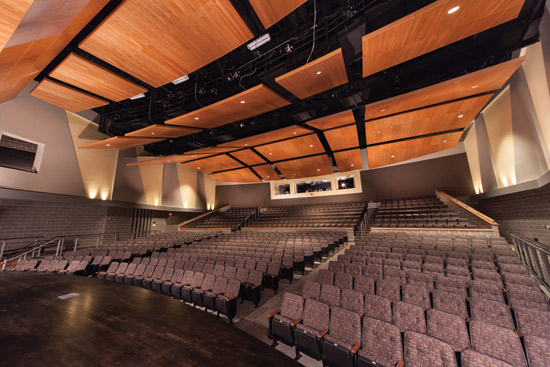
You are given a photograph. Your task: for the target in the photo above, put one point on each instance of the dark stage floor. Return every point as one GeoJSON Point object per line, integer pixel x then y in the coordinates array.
{"type": "Point", "coordinates": [110, 324]}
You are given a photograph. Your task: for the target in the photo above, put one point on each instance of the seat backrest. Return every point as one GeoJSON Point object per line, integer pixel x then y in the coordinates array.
{"type": "Point", "coordinates": [208, 282]}
{"type": "Point", "coordinates": [416, 295]}
{"type": "Point", "coordinates": [311, 290]}
{"type": "Point", "coordinates": [130, 269]}
{"type": "Point", "coordinates": [139, 270]}
{"type": "Point", "coordinates": [498, 342]}
{"type": "Point", "coordinates": [325, 277]}
{"type": "Point", "coordinates": [97, 260]}
{"type": "Point", "coordinates": [230, 272]}
{"type": "Point", "coordinates": [233, 288]}
{"type": "Point", "coordinates": [198, 278]}
{"type": "Point", "coordinates": [408, 317]}
{"type": "Point", "coordinates": [494, 312]}
{"type": "Point", "coordinates": [219, 285]}
{"type": "Point", "coordinates": [343, 281]}
{"type": "Point", "coordinates": [292, 306]}
{"type": "Point", "coordinates": [449, 328]}
{"type": "Point", "coordinates": [364, 285]}
{"type": "Point", "coordinates": [316, 315]}
{"type": "Point", "coordinates": [273, 268]}
{"type": "Point", "coordinates": [197, 267]}
{"type": "Point", "coordinates": [422, 350]}
{"type": "Point", "coordinates": [122, 268]}
{"type": "Point", "coordinates": [218, 270]}
{"type": "Point", "coordinates": [149, 270]}
{"type": "Point", "coordinates": [112, 268]}
{"type": "Point", "coordinates": [255, 277]}
{"type": "Point", "coordinates": [167, 275]}
{"type": "Point", "coordinates": [330, 295]}
{"type": "Point", "coordinates": [471, 358]}
{"type": "Point", "coordinates": [382, 341]}
{"type": "Point", "coordinates": [188, 276]}
{"type": "Point", "coordinates": [242, 275]}
{"type": "Point", "coordinates": [345, 326]}
{"type": "Point", "coordinates": [537, 350]}
{"type": "Point", "coordinates": [352, 300]}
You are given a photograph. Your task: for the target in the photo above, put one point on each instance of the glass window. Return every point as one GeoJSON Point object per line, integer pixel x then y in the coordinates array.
{"type": "Point", "coordinates": [346, 183]}
{"type": "Point", "coordinates": [313, 186]}
{"type": "Point", "coordinates": [283, 189]}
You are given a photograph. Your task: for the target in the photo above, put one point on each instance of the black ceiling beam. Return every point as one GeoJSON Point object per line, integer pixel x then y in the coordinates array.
{"type": "Point", "coordinates": [249, 16]}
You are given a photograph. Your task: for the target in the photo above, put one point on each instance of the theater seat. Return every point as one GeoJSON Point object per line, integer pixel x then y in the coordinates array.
{"type": "Point", "coordinates": [186, 290]}
{"type": "Point", "coordinates": [207, 285]}
{"type": "Point", "coordinates": [408, 317]}
{"type": "Point", "coordinates": [175, 289]}
{"type": "Point", "coordinates": [310, 332]}
{"type": "Point", "coordinates": [343, 340]}
{"type": "Point", "coordinates": [271, 278]}
{"type": "Point", "coordinates": [538, 351]}
{"type": "Point", "coordinates": [471, 358]}
{"type": "Point", "coordinates": [209, 297]}
{"type": "Point", "coordinates": [253, 287]}
{"type": "Point", "coordinates": [311, 290]}
{"type": "Point", "coordinates": [378, 307]}
{"type": "Point", "coordinates": [381, 345]}
{"type": "Point", "coordinates": [226, 304]}
{"type": "Point", "coordinates": [498, 342]}
{"type": "Point", "coordinates": [283, 321]}
{"type": "Point", "coordinates": [449, 328]}
{"type": "Point", "coordinates": [423, 351]}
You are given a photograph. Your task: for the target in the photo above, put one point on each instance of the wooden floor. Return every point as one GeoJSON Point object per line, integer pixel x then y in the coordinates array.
{"type": "Point", "coordinates": [110, 324]}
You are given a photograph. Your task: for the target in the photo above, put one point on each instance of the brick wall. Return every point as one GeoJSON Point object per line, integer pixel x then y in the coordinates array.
{"type": "Point", "coordinates": [34, 218]}
{"type": "Point", "coordinates": [13, 143]}
{"type": "Point", "coordinates": [526, 213]}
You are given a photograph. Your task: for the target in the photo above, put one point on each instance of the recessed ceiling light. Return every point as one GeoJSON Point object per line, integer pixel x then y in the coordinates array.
{"type": "Point", "coordinates": [198, 168]}
{"type": "Point", "coordinates": [152, 133]}
{"type": "Point", "coordinates": [270, 153]}
{"type": "Point", "coordinates": [453, 10]}
{"type": "Point", "coordinates": [168, 161]}
{"type": "Point", "coordinates": [192, 156]}
{"type": "Point", "coordinates": [475, 86]}
{"type": "Point", "coordinates": [378, 131]}
{"type": "Point", "coordinates": [267, 176]}
{"type": "Point", "coordinates": [294, 133]}
{"type": "Point", "coordinates": [444, 141]}
{"type": "Point", "coordinates": [107, 145]}
{"type": "Point", "coordinates": [318, 73]}
{"type": "Point", "coordinates": [460, 116]}
{"type": "Point", "coordinates": [311, 145]}
{"type": "Point", "coordinates": [318, 169]}
{"type": "Point", "coordinates": [353, 165]}
{"type": "Point", "coordinates": [196, 118]}
{"type": "Point", "coordinates": [393, 156]}
{"type": "Point", "coordinates": [382, 110]}
{"type": "Point", "coordinates": [246, 145]}
{"type": "Point", "coordinates": [243, 101]}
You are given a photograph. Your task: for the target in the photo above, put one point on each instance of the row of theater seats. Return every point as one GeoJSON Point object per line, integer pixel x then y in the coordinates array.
{"type": "Point", "coordinates": [230, 218]}
{"type": "Point", "coordinates": [343, 337]}
{"type": "Point", "coordinates": [335, 215]}
{"type": "Point", "coordinates": [449, 306]}
{"type": "Point", "coordinates": [422, 213]}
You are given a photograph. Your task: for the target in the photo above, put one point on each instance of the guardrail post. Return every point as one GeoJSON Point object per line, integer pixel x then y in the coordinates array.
{"type": "Point", "coordinates": [4, 265]}
{"type": "Point", "coordinates": [75, 243]}
{"type": "Point", "coordinates": [2, 249]}
{"type": "Point", "coordinates": [97, 244]}
{"type": "Point", "coordinates": [58, 245]}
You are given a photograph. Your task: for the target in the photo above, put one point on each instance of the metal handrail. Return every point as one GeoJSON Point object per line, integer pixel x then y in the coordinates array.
{"type": "Point", "coordinates": [37, 249]}
{"type": "Point", "coordinates": [535, 256]}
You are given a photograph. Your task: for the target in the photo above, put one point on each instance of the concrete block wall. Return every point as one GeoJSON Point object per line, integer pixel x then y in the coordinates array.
{"type": "Point", "coordinates": [526, 213]}
{"type": "Point", "coordinates": [13, 143]}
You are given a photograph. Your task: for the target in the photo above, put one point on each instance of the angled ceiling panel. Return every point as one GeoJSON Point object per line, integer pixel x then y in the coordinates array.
{"type": "Point", "coordinates": [248, 157]}
{"type": "Point", "coordinates": [120, 143]}
{"type": "Point", "coordinates": [342, 137]}
{"type": "Point", "coordinates": [449, 116]}
{"type": "Point", "coordinates": [348, 160]}
{"type": "Point", "coordinates": [180, 37]}
{"type": "Point", "coordinates": [386, 154]}
{"type": "Point", "coordinates": [210, 151]}
{"type": "Point", "coordinates": [486, 80]}
{"type": "Point", "coordinates": [163, 131]}
{"type": "Point", "coordinates": [270, 12]}
{"type": "Point", "coordinates": [325, 73]}
{"type": "Point", "coordinates": [171, 159]}
{"type": "Point", "coordinates": [431, 28]}
{"type": "Point", "coordinates": [292, 148]}
{"type": "Point", "coordinates": [268, 137]}
{"type": "Point", "coordinates": [213, 164]}
{"type": "Point", "coordinates": [77, 71]}
{"type": "Point", "coordinates": [46, 29]}
{"type": "Point", "coordinates": [13, 12]}
{"type": "Point", "coordinates": [329, 122]}
{"type": "Point", "coordinates": [239, 175]}
{"type": "Point", "coordinates": [252, 102]}
{"type": "Point", "coordinates": [305, 167]}
{"type": "Point", "coordinates": [65, 97]}
{"type": "Point", "coordinates": [267, 172]}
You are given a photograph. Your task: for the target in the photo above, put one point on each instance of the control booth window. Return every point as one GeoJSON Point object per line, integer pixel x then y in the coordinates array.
{"type": "Point", "coordinates": [313, 186]}
{"type": "Point", "coordinates": [19, 154]}
{"type": "Point", "coordinates": [345, 183]}
{"type": "Point", "coordinates": [283, 189]}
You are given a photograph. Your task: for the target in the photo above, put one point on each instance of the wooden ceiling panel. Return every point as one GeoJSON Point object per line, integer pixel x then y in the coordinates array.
{"type": "Point", "coordinates": [119, 143]}
{"type": "Point", "coordinates": [249, 103]}
{"type": "Point", "coordinates": [271, 136]}
{"type": "Point", "coordinates": [86, 75]}
{"type": "Point", "coordinates": [46, 29]}
{"type": "Point", "coordinates": [431, 28]}
{"type": "Point", "coordinates": [305, 167]}
{"type": "Point", "coordinates": [180, 37]}
{"type": "Point", "coordinates": [213, 164]}
{"type": "Point", "coordinates": [13, 12]}
{"type": "Point", "coordinates": [248, 157]}
{"type": "Point", "coordinates": [348, 160]}
{"type": "Point", "coordinates": [325, 73]}
{"type": "Point", "coordinates": [292, 148]}
{"type": "Point", "coordinates": [329, 122]}
{"type": "Point", "coordinates": [486, 80]}
{"type": "Point", "coordinates": [163, 131]}
{"type": "Point", "coordinates": [210, 150]}
{"type": "Point", "coordinates": [342, 138]}
{"type": "Point", "coordinates": [172, 159]}
{"type": "Point", "coordinates": [449, 116]}
{"type": "Point", "coordinates": [267, 173]}
{"type": "Point", "coordinates": [240, 175]}
{"type": "Point", "coordinates": [65, 97]}
{"type": "Point", "coordinates": [386, 154]}
{"type": "Point", "coordinates": [270, 12]}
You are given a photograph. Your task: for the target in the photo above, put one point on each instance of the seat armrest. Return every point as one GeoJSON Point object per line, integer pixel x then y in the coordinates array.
{"type": "Point", "coordinates": [273, 313]}
{"type": "Point", "coordinates": [232, 298]}
{"type": "Point", "coordinates": [400, 363]}
{"type": "Point", "coordinates": [322, 334]}
{"type": "Point", "coordinates": [295, 322]}
{"type": "Point", "coordinates": [356, 347]}
{"type": "Point", "coordinates": [520, 334]}
{"type": "Point", "coordinates": [361, 314]}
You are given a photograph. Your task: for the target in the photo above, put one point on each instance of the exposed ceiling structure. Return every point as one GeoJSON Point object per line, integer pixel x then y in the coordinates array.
{"type": "Point", "coordinates": [399, 78]}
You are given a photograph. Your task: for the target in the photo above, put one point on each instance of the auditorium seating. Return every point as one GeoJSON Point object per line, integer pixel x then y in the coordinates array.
{"type": "Point", "coordinates": [333, 215]}
{"type": "Point", "coordinates": [421, 212]}
{"type": "Point", "coordinates": [465, 318]}
{"type": "Point", "coordinates": [229, 218]}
